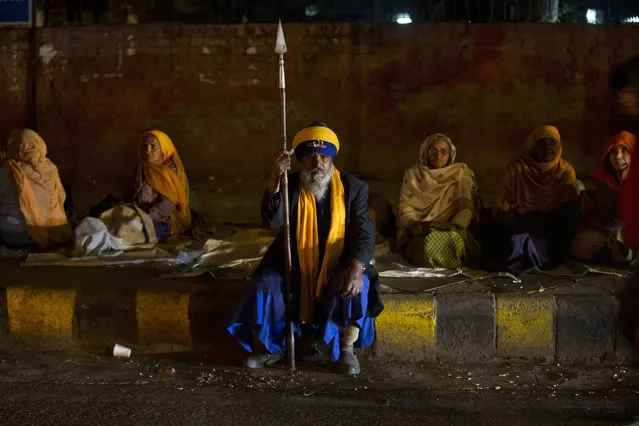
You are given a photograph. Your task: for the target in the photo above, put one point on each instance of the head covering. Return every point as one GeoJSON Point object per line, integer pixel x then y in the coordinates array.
{"type": "Point", "coordinates": [173, 184]}
{"type": "Point", "coordinates": [529, 185]}
{"type": "Point", "coordinates": [606, 173]}
{"type": "Point", "coordinates": [543, 132]}
{"type": "Point", "coordinates": [432, 195]}
{"type": "Point", "coordinates": [317, 138]}
{"type": "Point", "coordinates": [39, 189]}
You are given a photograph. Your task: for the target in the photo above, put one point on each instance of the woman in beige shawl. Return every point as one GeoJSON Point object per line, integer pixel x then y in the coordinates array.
{"type": "Point", "coordinates": [437, 204]}
{"type": "Point", "coordinates": [36, 191]}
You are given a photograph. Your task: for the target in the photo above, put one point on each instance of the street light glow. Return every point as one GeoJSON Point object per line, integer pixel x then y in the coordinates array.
{"type": "Point", "coordinates": [591, 16]}
{"type": "Point", "coordinates": [311, 11]}
{"type": "Point", "coordinates": [403, 19]}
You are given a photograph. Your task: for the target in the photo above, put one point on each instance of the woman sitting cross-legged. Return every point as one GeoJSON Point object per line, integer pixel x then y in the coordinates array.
{"type": "Point", "coordinates": [599, 236]}
{"type": "Point", "coordinates": [437, 203]}
{"type": "Point", "coordinates": [535, 211]}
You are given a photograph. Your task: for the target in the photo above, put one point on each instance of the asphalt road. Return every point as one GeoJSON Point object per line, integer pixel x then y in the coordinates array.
{"type": "Point", "coordinates": [52, 404]}
{"type": "Point", "coordinates": [89, 389]}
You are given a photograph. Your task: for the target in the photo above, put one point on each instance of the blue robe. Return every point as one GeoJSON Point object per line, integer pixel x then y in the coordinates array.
{"type": "Point", "coordinates": [262, 308]}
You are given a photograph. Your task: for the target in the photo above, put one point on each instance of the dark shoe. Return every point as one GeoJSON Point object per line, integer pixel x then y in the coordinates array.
{"type": "Point", "coordinates": [348, 363]}
{"type": "Point", "coordinates": [318, 352]}
{"type": "Point", "coordinates": [262, 360]}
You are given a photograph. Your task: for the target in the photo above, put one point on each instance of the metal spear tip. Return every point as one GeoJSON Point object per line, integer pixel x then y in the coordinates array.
{"type": "Point", "coordinates": [280, 44]}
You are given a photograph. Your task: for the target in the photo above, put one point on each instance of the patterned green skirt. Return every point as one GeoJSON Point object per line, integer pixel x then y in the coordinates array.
{"type": "Point", "coordinates": [441, 249]}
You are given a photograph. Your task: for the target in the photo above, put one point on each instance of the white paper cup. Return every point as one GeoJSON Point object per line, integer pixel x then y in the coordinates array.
{"type": "Point", "coordinates": [120, 351]}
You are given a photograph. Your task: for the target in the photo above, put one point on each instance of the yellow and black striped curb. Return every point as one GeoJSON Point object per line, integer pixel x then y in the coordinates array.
{"type": "Point", "coordinates": [485, 327]}
{"type": "Point", "coordinates": [98, 318]}
{"type": "Point", "coordinates": [457, 327]}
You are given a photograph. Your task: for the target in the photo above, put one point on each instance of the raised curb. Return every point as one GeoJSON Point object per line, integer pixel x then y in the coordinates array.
{"type": "Point", "coordinates": [458, 327]}
{"type": "Point", "coordinates": [586, 328]}
{"type": "Point", "coordinates": [525, 327]}
{"type": "Point", "coordinates": [465, 327]}
{"type": "Point", "coordinates": [161, 320]}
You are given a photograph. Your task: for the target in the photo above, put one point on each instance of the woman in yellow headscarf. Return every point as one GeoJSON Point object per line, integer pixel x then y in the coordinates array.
{"type": "Point", "coordinates": [161, 185]}
{"type": "Point", "coordinates": [31, 195]}
{"type": "Point", "coordinates": [437, 203]}
{"type": "Point", "coordinates": [535, 211]}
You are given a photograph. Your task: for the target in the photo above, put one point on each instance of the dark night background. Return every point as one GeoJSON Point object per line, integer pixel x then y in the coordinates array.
{"type": "Point", "coordinates": [74, 12]}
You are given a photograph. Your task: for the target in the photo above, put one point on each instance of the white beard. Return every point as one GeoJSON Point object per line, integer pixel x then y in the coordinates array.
{"type": "Point", "coordinates": [318, 182]}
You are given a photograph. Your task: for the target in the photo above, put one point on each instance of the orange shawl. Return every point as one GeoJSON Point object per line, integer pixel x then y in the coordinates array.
{"type": "Point", "coordinates": [174, 185]}
{"type": "Point", "coordinates": [532, 186]}
{"type": "Point", "coordinates": [38, 188]}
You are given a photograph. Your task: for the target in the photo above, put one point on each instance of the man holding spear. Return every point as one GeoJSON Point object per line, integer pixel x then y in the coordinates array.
{"type": "Point", "coordinates": [332, 291]}
{"type": "Point", "coordinates": [332, 243]}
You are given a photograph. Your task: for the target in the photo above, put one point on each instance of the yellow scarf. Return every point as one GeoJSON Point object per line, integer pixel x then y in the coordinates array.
{"type": "Point", "coordinates": [314, 281]}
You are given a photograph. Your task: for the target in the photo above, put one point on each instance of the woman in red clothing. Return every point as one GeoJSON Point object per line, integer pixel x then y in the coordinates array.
{"type": "Point", "coordinates": [599, 237]}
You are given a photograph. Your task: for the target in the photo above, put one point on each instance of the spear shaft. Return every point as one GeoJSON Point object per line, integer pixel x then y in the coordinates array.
{"type": "Point", "coordinates": [280, 49]}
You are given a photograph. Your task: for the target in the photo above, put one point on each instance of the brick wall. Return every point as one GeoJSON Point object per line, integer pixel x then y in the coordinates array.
{"type": "Point", "coordinates": [383, 88]}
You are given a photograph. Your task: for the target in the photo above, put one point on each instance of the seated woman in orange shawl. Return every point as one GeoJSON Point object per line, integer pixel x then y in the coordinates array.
{"type": "Point", "coordinates": [437, 203]}
{"type": "Point", "coordinates": [161, 185]}
{"type": "Point", "coordinates": [536, 208]}
{"type": "Point", "coordinates": [599, 235]}
{"type": "Point", "coordinates": [31, 195]}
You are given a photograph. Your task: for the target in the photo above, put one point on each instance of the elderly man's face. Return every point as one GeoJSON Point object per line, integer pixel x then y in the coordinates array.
{"type": "Point", "coordinates": [317, 163]}
{"type": "Point", "coordinates": [317, 174]}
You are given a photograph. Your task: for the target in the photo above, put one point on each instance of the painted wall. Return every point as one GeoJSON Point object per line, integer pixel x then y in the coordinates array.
{"type": "Point", "coordinates": [383, 88]}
